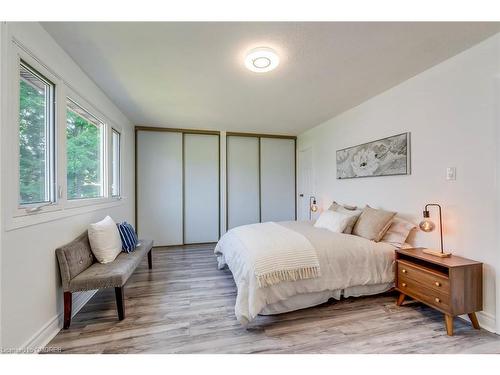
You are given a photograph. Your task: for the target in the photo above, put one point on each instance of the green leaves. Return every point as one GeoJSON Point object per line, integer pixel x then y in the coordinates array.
{"type": "Point", "coordinates": [32, 143]}
{"type": "Point", "coordinates": [83, 144]}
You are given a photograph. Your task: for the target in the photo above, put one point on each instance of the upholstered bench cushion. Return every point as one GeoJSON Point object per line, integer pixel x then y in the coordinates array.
{"type": "Point", "coordinates": [74, 258]}
{"type": "Point", "coordinates": [113, 274]}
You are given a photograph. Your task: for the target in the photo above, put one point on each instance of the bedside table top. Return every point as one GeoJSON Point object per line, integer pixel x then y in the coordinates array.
{"type": "Point", "coordinates": [452, 261]}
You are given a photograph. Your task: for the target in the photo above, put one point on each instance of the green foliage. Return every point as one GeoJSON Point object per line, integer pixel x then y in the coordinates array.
{"type": "Point", "coordinates": [32, 143]}
{"type": "Point", "coordinates": [83, 143]}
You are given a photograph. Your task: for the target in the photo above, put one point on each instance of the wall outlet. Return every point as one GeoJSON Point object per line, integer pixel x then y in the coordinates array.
{"type": "Point", "coordinates": [451, 174]}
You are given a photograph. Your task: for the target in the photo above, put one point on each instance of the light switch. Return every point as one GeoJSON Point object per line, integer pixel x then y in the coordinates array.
{"type": "Point", "coordinates": [451, 174]}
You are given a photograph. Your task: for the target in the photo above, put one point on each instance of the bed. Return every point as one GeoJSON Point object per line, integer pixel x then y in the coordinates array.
{"type": "Point", "coordinates": [349, 266]}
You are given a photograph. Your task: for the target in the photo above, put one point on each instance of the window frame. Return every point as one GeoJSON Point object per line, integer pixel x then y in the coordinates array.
{"type": "Point", "coordinates": [104, 151]}
{"type": "Point", "coordinates": [114, 130]}
{"type": "Point", "coordinates": [14, 215]}
{"type": "Point", "coordinates": [50, 148]}
{"type": "Point", "coordinates": [12, 148]}
{"type": "Point", "coordinates": [86, 106]}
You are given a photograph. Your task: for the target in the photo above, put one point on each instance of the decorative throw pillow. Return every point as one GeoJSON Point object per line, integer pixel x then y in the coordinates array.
{"type": "Point", "coordinates": [398, 232]}
{"type": "Point", "coordinates": [372, 223]}
{"type": "Point", "coordinates": [346, 206]}
{"type": "Point", "coordinates": [349, 210]}
{"type": "Point", "coordinates": [128, 237]}
{"type": "Point", "coordinates": [333, 221]}
{"type": "Point", "coordinates": [104, 240]}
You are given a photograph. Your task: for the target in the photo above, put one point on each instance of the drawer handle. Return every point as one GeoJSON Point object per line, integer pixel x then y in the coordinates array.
{"type": "Point", "coordinates": [437, 283]}
{"type": "Point", "coordinates": [437, 300]}
{"type": "Point", "coordinates": [403, 284]}
{"type": "Point", "coordinates": [403, 270]}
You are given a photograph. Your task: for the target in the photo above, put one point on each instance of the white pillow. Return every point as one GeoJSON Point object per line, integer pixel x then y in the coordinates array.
{"type": "Point", "coordinates": [333, 221]}
{"type": "Point", "coordinates": [398, 232]}
{"type": "Point", "coordinates": [348, 210]}
{"type": "Point", "coordinates": [105, 240]}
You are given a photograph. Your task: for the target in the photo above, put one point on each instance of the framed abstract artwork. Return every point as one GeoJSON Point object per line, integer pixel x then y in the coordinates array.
{"type": "Point", "coordinates": [384, 157]}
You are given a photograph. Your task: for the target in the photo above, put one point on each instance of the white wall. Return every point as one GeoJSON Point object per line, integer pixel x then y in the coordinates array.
{"type": "Point", "coordinates": [451, 112]}
{"type": "Point", "coordinates": [31, 297]}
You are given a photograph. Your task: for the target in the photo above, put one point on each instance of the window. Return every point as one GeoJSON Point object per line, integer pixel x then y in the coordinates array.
{"type": "Point", "coordinates": [84, 153]}
{"type": "Point", "coordinates": [36, 137]}
{"type": "Point", "coordinates": [115, 164]}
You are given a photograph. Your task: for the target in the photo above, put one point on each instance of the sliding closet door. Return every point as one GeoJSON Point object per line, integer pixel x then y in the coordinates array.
{"type": "Point", "coordinates": [277, 179]}
{"type": "Point", "coordinates": [242, 181]}
{"type": "Point", "coordinates": [201, 188]}
{"type": "Point", "coordinates": [159, 186]}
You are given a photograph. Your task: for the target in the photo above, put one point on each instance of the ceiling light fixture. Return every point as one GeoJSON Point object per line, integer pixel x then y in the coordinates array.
{"type": "Point", "coordinates": [261, 60]}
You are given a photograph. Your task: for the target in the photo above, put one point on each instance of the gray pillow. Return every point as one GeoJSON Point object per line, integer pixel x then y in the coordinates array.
{"type": "Point", "coordinates": [372, 223]}
{"type": "Point", "coordinates": [349, 210]}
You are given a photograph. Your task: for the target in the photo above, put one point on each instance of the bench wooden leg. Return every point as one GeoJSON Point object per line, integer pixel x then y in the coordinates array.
{"type": "Point", "coordinates": [150, 259]}
{"type": "Point", "coordinates": [68, 301]}
{"type": "Point", "coordinates": [120, 302]}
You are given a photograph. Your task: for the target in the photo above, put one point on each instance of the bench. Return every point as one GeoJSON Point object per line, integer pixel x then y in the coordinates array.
{"type": "Point", "coordinates": [80, 271]}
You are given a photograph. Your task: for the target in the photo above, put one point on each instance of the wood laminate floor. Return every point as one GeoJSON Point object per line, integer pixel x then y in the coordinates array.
{"type": "Point", "coordinates": [186, 305]}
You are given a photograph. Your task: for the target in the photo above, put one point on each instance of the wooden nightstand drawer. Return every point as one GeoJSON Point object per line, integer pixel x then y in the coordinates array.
{"type": "Point", "coordinates": [429, 296]}
{"type": "Point", "coordinates": [424, 276]}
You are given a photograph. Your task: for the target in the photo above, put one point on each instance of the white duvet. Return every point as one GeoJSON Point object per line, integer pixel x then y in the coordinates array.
{"type": "Point", "coordinates": [345, 261]}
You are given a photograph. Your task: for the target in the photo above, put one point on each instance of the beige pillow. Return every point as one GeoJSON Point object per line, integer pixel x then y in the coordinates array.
{"type": "Point", "coordinates": [348, 210]}
{"type": "Point", "coordinates": [372, 223]}
{"type": "Point", "coordinates": [398, 232]}
{"type": "Point", "coordinates": [346, 206]}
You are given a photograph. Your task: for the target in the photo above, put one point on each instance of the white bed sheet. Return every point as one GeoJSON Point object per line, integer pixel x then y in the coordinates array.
{"type": "Point", "coordinates": [302, 301]}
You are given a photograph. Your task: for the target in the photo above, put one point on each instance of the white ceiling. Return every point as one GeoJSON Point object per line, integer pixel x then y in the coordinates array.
{"type": "Point", "coordinates": [192, 75]}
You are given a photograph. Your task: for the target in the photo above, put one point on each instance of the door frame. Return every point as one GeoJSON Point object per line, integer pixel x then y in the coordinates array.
{"type": "Point", "coordinates": [310, 149]}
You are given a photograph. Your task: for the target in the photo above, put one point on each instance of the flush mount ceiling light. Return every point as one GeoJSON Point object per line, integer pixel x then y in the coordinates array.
{"type": "Point", "coordinates": [261, 60]}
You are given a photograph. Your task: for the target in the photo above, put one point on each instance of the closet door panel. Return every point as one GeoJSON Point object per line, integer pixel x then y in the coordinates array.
{"type": "Point", "coordinates": [201, 188]}
{"type": "Point", "coordinates": [277, 179]}
{"type": "Point", "coordinates": [159, 187]}
{"type": "Point", "coordinates": [242, 181]}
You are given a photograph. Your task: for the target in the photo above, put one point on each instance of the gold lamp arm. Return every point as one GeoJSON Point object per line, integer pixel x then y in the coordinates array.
{"type": "Point", "coordinates": [426, 211]}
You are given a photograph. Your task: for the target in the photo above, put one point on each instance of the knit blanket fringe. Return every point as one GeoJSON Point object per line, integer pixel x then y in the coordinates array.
{"type": "Point", "coordinates": [275, 277]}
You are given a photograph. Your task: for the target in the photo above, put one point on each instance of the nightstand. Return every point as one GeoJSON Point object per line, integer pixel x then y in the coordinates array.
{"type": "Point", "coordinates": [451, 285]}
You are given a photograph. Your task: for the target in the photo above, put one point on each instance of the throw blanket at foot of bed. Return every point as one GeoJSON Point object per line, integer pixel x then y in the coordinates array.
{"type": "Point", "coordinates": [276, 253]}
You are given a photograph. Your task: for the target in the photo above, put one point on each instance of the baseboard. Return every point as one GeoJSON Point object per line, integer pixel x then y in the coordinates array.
{"type": "Point", "coordinates": [487, 321]}
{"type": "Point", "coordinates": [41, 338]}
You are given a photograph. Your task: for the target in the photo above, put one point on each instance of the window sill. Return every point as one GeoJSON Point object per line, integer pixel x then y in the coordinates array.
{"type": "Point", "coordinates": [17, 222]}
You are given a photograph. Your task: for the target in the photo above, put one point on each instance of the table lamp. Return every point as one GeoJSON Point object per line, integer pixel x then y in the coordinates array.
{"type": "Point", "coordinates": [312, 206]}
{"type": "Point", "coordinates": [428, 226]}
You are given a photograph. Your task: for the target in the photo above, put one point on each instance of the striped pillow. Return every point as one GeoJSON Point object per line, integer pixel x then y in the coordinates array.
{"type": "Point", "coordinates": [128, 237]}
